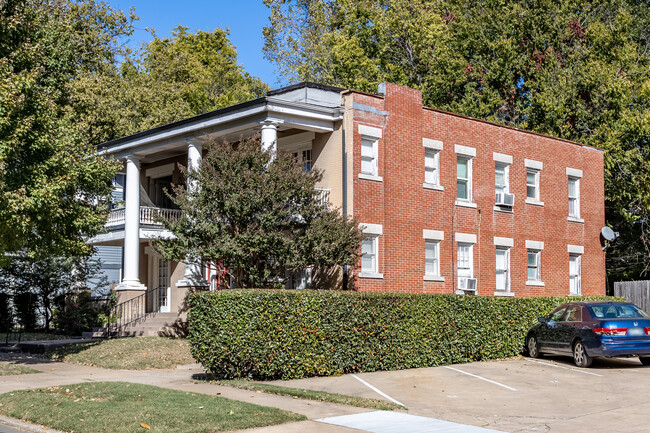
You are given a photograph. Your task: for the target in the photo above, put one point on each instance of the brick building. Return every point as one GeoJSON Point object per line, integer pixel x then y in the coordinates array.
{"type": "Point", "coordinates": [446, 199]}
{"type": "Point", "coordinates": [448, 204]}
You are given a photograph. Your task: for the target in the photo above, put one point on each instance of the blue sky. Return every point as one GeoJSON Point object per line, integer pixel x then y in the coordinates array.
{"type": "Point", "coordinates": [245, 18]}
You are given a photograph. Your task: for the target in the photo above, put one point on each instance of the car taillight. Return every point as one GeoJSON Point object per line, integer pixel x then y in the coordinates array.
{"type": "Point", "coordinates": [647, 330]}
{"type": "Point", "coordinates": [613, 331]}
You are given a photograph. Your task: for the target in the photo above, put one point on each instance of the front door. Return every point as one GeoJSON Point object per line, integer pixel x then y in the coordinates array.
{"type": "Point", "coordinates": [163, 289]}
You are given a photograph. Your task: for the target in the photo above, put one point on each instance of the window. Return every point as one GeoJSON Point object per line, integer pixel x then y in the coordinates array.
{"type": "Point", "coordinates": [304, 156]}
{"type": "Point", "coordinates": [557, 315]}
{"type": "Point", "coordinates": [369, 255]}
{"type": "Point", "coordinates": [118, 189]}
{"type": "Point", "coordinates": [432, 258]}
{"type": "Point", "coordinates": [369, 156]}
{"type": "Point", "coordinates": [465, 264]}
{"type": "Point", "coordinates": [574, 274]}
{"type": "Point", "coordinates": [369, 250]}
{"type": "Point", "coordinates": [431, 166]}
{"type": "Point", "coordinates": [534, 258]}
{"type": "Point", "coordinates": [503, 269]}
{"type": "Point", "coordinates": [574, 314]}
{"type": "Point", "coordinates": [574, 197]}
{"type": "Point", "coordinates": [532, 184]}
{"type": "Point", "coordinates": [464, 178]}
{"type": "Point", "coordinates": [501, 183]}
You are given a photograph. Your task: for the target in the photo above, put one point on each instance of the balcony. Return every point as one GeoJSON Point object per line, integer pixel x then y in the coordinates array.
{"type": "Point", "coordinates": [148, 216]}
{"type": "Point", "coordinates": [323, 195]}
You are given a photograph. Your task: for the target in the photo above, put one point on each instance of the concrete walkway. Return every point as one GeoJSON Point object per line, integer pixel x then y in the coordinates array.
{"type": "Point", "coordinates": [323, 416]}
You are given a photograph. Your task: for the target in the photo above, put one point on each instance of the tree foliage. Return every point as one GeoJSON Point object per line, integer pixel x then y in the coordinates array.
{"type": "Point", "coordinates": [37, 282]}
{"type": "Point", "coordinates": [576, 69]}
{"type": "Point", "coordinates": [51, 180]}
{"type": "Point", "coordinates": [167, 80]}
{"type": "Point", "coordinates": [262, 219]}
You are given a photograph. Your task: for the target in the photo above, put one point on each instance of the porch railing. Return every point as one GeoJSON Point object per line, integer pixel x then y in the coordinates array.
{"type": "Point", "coordinates": [135, 309]}
{"type": "Point", "coordinates": [148, 215]}
{"type": "Point", "coordinates": [323, 195]}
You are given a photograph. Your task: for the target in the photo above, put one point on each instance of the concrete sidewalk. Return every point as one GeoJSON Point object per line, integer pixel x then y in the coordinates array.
{"type": "Point", "coordinates": [322, 416]}
{"type": "Point", "coordinates": [184, 378]}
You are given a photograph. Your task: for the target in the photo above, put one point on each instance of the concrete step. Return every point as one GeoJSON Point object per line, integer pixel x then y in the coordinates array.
{"type": "Point", "coordinates": [96, 333]}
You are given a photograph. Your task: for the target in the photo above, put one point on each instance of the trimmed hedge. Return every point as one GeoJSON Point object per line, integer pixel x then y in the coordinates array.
{"type": "Point", "coordinates": [264, 334]}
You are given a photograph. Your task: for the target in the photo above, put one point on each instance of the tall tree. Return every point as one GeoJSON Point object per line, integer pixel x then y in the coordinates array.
{"type": "Point", "coordinates": [261, 219]}
{"type": "Point", "coordinates": [167, 80]}
{"type": "Point", "coordinates": [579, 70]}
{"type": "Point", "coordinates": [51, 179]}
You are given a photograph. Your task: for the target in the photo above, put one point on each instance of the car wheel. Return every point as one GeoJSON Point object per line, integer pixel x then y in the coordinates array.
{"type": "Point", "coordinates": [645, 360]}
{"type": "Point", "coordinates": [580, 356]}
{"type": "Point", "coordinates": [532, 347]}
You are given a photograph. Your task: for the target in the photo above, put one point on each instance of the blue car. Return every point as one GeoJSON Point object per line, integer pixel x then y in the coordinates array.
{"type": "Point", "coordinates": [588, 329]}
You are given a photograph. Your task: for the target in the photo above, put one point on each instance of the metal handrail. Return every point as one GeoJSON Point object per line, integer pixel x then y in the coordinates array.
{"type": "Point", "coordinates": [133, 310]}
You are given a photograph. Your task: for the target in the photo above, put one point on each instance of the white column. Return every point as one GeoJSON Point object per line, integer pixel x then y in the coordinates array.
{"type": "Point", "coordinates": [130, 276]}
{"type": "Point", "coordinates": [192, 276]}
{"type": "Point", "coordinates": [270, 137]}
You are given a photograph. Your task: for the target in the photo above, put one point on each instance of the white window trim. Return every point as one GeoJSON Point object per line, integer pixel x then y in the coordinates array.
{"type": "Point", "coordinates": [372, 231]}
{"type": "Point", "coordinates": [538, 251]}
{"type": "Point", "coordinates": [471, 262]}
{"type": "Point", "coordinates": [436, 275]}
{"type": "Point", "coordinates": [374, 134]}
{"type": "Point", "coordinates": [506, 175]}
{"type": "Point", "coordinates": [575, 249]}
{"type": "Point", "coordinates": [579, 274]}
{"type": "Point", "coordinates": [538, 175]}
{"type": "Point", "coordinates": [502, 158]}
{"type": "Point", "coordinates": [535, 165]}
{"type": "Point", "coordinates": [468, 152]}
{"type": "Point", "coordinates": [433, 235]}
{"type": "Point", "coordinates": [469, 201]}
{"type": "Point", "coordinates": [503, 242]}
{"type": "Point", "coordinates": [436, 165]}
{"type": "Point", "coordinates": [574, 172]}
{"type": "Point", "coordinates": [432, 144]}
{"type": "Point", "coordinates": [576, 216]}
{"type": "Point", "coordinates": [465, 238]}
{"type": "Point", "coordinates": [508, 291]}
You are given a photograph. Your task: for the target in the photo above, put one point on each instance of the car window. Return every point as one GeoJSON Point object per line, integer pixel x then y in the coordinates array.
{"type": "Point", "coordinates": [616, 311]}
{"type": "Point", "coordinates": [557, 314]}
{"type": "Point", "coordinates": [574, 314]}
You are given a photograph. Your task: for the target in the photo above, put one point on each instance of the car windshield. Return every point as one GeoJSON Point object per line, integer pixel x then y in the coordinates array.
{"type": "Point", "coordinates": [616, 311]}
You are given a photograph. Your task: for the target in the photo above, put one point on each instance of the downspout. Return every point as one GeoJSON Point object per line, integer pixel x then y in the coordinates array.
{"type": "Point", "coordinates": [344, 208]}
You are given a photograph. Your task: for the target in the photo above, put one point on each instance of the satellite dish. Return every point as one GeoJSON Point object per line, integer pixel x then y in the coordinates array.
{"type": "Point", "coordinates": [608, 234]}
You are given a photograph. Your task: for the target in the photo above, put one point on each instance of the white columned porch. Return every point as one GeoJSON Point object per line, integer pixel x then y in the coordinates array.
{"type": "Point", "coordinates": [130, 276]}
{"type": "Point", "coordinates": [270, 137]}
{"type": "Point", "coordinates": [193, 276]}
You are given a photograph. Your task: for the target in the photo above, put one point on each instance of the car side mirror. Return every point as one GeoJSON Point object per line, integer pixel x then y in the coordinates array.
{"type": "Point", "coordinates": [541, 319]}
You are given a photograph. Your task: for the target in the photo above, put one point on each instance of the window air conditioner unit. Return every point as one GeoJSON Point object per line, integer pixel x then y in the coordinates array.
{"type": "Point", "coordinates": [504, 199]}
{"type": "Point", "coordinates": [470, 285]}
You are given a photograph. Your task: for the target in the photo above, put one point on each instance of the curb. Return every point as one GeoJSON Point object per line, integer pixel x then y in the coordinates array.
{"type": "Point", "coordinates": [25, 426]}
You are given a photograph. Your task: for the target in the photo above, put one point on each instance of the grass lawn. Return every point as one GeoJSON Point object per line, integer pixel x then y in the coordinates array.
{"type": "Point", "coordinates": [309, 394]}
{"type": "Point", "coordinates": [141, 353]}
{"type": "Point", "coordinates": [108, 407]}
{"type": "Point", "coordinates": [8, 369]}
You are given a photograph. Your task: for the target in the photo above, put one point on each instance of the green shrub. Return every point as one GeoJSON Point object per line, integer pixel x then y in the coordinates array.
{"type": "Point", "coordinates": [292, 334]}
{"type": "Point", "coordinates": [76, 313]}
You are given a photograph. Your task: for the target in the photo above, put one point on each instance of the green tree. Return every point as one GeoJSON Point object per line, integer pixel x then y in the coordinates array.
{"type": "Point", "coordinates": [261, 219]}
{"type": "Point", "coordinates": [39, 281]}
{"type": "Point", "coordinates": [167, 80]}
{"type": "Point", "coordinates": [579, 70]}
{"type": "Point", "coordinates": [51, 180]}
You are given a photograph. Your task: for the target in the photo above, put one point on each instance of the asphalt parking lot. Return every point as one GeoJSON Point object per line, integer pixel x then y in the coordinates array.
{"type": "Point", "coordinates": [548, 394]}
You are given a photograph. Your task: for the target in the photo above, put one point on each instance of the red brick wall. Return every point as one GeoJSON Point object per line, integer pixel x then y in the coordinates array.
{"type": "Point", "coordinates": [404, 208]}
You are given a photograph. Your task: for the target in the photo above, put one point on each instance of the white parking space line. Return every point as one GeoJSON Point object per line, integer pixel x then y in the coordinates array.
{"type": "Point", "coordinates": [566, 368]}
{"type": "Point", "coordinates": [482, 378]}
{"type": "Point", "coordinates": [377, 390]}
